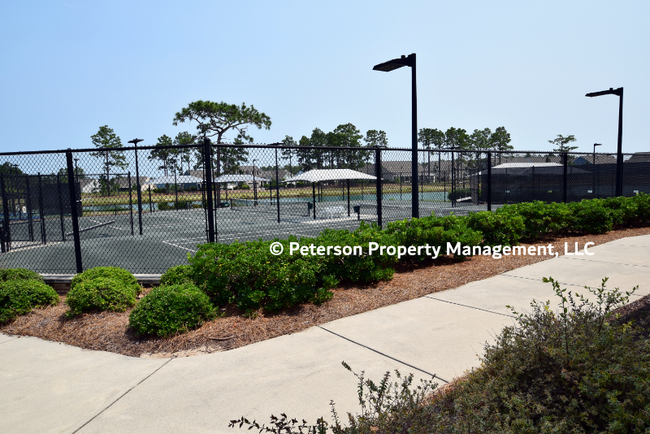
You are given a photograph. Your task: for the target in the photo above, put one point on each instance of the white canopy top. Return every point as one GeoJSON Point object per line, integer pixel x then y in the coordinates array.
{"type": "Point", "coordinates": [239, 178]}
{"type": "Point", "coordinates": [329, 175]}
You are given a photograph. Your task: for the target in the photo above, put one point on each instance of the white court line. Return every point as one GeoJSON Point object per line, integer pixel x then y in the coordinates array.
{"type": "Point", "coordinates": [184, 248]}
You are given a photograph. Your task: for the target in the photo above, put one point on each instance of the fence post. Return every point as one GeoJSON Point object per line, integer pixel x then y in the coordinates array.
{"type": "Point", "coordinates": [41, 211]}
{"type": "Point", "coordinates": [6, 242]}
{"type": "Point", "coordinates": [277, 181]}
{"type": "Point", "coordinates": [379, 192]}
{"type": "Point", "coordinates": [453, 180]}
{"type": "Point", "coordinates": [137, 183]}
{"type": "Point", "coordinates": [58, 187]}
{"type": "Point", "coordinates": [128, 174]}
{"type": "Point", "coordinates": [30, 215]}
{"type": "Point", "coordinates": [207, 166]}
{"type": "Point", "coordinates": [313, 194]}
{"type": "Point", "coordinates": [489, 181]}
{"type": "Point", "coordinates": [73, 210]}
{"type": "Point", "coordinates": [564, 176]}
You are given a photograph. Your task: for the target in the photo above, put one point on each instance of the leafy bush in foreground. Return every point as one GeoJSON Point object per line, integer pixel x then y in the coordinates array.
{"type": "Point", "coordinates": [363, 268]}
{"type": "Point", "coordinates": [7, 274]}
{"type": "Point", "coordinates": [249, 276]}
{"type": "Point", "coordinates": [577, 370]}
{"type": "Point", "coordinates": [115, 273]}
{"type": "Point", "coordinates": [177, 275]}
{"type": "Point", "coordinates": [167, 310]}
{"type": "Point", "coordinates": [18, 297]}
{"type": "Point", "coordinates": [101, 294]}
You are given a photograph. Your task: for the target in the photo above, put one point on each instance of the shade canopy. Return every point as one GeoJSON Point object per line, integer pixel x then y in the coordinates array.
{"type": "Point", "coordinates": [239, 178]}
{"type": "Point", "coordinates": [329, 175]}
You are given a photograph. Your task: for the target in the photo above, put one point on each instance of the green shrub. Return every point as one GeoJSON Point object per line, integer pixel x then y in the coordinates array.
{"type": "Point", "coordinates": [20, 296]}
{"type": "Point", "coordinates": [177, 275]}
{"type": "Point", "coordinates": [7, 274]}
{"type": "Point", "coordinates": [642, 203]}
{"type": "Point", "coordinates": [182, 204]}
{"type": "Point", "coordinates": [167, 310]}
{"type": "Point", "coordinates": [249, 276]}
{"type": "Point", "coordinates": [497, 228]}
{"type": "Point", "coordinates": [115, 273]}
{"type": "Point", "coordinates": [101, 294]}
{"type": "Point", "coordinates": [591, 217]}
{"type": "Point", "coordinates": [571, 371]}
{"type": "Point", "coordinates": [363, 268]}
{"type": "Point", "coordinates": [164, 206]}
{"type": "Point", "coordinates": [436, 232]}
{"type": "Point", "coordinates": [540, 218]}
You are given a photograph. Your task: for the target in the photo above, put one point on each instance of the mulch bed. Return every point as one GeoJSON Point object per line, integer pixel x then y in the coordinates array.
{"type": "Point", "coordinates": [108, 331]}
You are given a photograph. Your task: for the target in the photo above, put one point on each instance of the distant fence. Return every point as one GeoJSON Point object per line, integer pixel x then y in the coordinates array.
{"type": "Point", "coordinates": [145, 208]}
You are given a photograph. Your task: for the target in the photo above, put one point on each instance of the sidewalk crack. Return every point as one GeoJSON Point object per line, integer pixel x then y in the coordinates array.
{"type": "Point", "coordinates": [121, 396]}
{"type": "Point", "coordinates": [383, 354]}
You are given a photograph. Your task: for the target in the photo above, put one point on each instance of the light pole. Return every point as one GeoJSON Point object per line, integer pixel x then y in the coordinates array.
{"type": "Point", "coordinates": [137, 182]}
{"type": "Point", "coordinates": [387, 67]}
{"type": "Point", "coordinates": [593, 162]}
{"type": "Point", "coordinates": [254, 185]}
{"type": "Point", "coordinates": [619, 152]}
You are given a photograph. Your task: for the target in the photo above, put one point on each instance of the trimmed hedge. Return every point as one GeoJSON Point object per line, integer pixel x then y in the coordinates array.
{"type": "Point", "coordinates": [101, 294]}
{"type": "Point", "coordinates": [115, 273]}
{"type": "Point", "coordinates": [177, 275]}
{"type": "Point", "coordinates": [248, 275]}
{"type": "Point", "coordinates": [7, 274]}
{"type": "Point", "coordinates": [167, 310]}
{"type": "Point", "coordinates": [20, 296]}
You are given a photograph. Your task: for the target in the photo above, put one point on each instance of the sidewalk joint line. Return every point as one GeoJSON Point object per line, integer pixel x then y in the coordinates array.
{"type": "Point", "coordinates": [608, 262]}
{"type": "Point", "coordinates": [382, 354]}
{"type": "Point", "coordinates": [535, 279]}
{"type": "Point", "coordinates": [471, 307]}
{"type": "Point", "coordinates": [122, 396]}
{"type": "Point", "coordinates": [13, 338]}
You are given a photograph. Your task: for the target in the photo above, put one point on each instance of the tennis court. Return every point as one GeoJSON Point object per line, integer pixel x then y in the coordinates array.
{"type": "Point", "coordinates": [169, 236]}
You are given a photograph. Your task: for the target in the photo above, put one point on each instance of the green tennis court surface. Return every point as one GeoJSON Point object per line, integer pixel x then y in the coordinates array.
{"type": "Point", "coordinates": [169, 236]}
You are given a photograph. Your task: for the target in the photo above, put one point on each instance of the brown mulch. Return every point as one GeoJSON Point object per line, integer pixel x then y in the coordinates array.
{"type": "Point", "coordinates": [109, 331]}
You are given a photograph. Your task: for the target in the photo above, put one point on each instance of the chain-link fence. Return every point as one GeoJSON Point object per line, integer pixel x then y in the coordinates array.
{"type": "Point", "coordinates": [146, 208]}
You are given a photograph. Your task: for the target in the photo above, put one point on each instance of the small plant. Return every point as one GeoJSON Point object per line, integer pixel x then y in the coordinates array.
{"type": "Point", "coordinates": [115, 273]}
{"type": "Point", "coordinates": [386, 407]}
{"type": "Point", "coordinates": [101, 294]}
{"type": "Point", "coordinates": [18, 297]}
{"type": "Point", "coordinates": [167, 310]}
{"type": "Point", "coordinates": [7, 274]}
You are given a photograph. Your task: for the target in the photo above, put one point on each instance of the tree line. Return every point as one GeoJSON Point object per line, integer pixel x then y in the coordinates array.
{"type": "Point", "coordinates": [214, 120]}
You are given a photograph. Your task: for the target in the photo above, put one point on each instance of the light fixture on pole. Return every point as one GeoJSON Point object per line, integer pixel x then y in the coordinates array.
{"type": "Point", "coordinates": [390, 66]}
{"type": "Point", "coordinates": [137, 182]}
{"type": "Point", "coordinates": [619, 152]}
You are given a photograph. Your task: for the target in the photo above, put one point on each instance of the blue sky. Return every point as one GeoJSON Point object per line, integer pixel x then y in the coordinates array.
{"type": "Point", "coordinates": [69, 67]}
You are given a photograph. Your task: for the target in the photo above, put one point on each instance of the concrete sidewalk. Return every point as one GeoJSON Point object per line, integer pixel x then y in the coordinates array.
{"type": "Point", "coordinates": [49, 387]}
